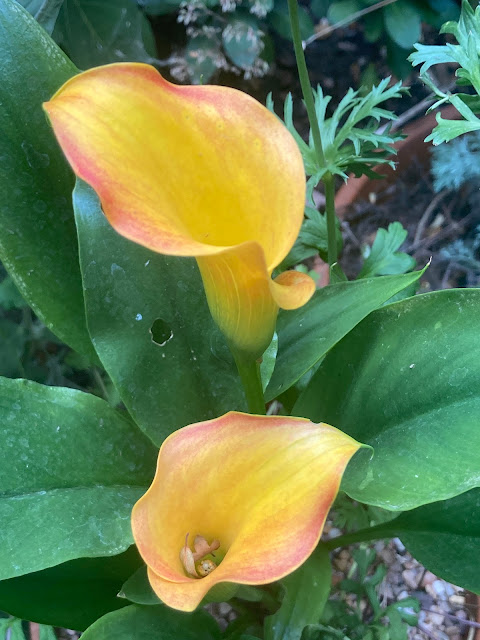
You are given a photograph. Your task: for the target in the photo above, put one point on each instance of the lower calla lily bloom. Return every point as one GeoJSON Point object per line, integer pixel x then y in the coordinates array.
{"type": "Point", "coordinates": [239, 499]}
{"type": "Point", "coordinates": [193, 171]}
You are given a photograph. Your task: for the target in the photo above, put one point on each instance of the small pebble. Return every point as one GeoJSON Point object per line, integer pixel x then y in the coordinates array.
{"type": "Point", "coordinates": [411, 577]}
{"type": "Point", "coordinates": [428, 578]}
{"type": "Point", "coordinates": [399, 545]}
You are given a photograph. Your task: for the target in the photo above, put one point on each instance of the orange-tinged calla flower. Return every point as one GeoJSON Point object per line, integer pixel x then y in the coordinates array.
{"type": "Point", "coordinates": [254, 490]}
{"type": "Point", "coordinates": [202, 171]}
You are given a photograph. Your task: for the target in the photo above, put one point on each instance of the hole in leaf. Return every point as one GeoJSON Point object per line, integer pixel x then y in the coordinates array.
{"type": "Point", "coordinates": [161, 332]}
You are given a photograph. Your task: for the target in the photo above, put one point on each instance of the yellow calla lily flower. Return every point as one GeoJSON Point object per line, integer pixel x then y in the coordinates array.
{"type": "Point", "coordinates": [193, 171]}
{"type": "Point", "coordinates": [239, 499]}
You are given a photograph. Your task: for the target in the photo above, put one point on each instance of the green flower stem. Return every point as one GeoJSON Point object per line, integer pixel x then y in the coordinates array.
{"type": "Point", "coordinates": [364, 535]}
{"type": "Point", "coordinates": [305, 81]}
{"type": "Point", "coordinates": [315, 129]}
{"type": "Point", "coordinates": [331, 221]}
{"type": "Point", "coordinates": [249, 371]}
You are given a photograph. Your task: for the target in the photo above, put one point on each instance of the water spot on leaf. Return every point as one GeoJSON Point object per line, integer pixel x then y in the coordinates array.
{"type": "Point", "coordinates": [161, 332]}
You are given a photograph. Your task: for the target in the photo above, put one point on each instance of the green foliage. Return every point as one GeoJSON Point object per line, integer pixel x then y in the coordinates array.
{"type": "Point", "coordinates": [466, 54]}
{"type": "Point", "coordinates": [137, 589]}
{"type": "Point", "coordinates": [226, 35]}
{"type": "Point", "coordinates": [350, 515]}
{"type": "Point", "coordinates": [383, 257]}
{"type": "Point", "coordinates": [312, 239]}
{"type": "Point", "coordinates": [45, 12]}
{"type": "Point", "coordinates": [421, 431]}
{"type": "Point", "coordinates": [94, 33]}
{"type": "Point", "coordinates": [35, 182]}
{"type": "Point", "coordinates": [351, 143]}
{"type": "Point", "coordinates": [73, 594]}
{"type": "Point", "coordinates": [145, 623]}
{"type": "Point", "coordinates": [344, 621]}
{"type": "Point", "coordinates": [13, 629]}
{"type": "Point", "coordinates": [10, 297]}
{"type": "Point", "coordinates": [307, 334]}
{"type": "Point", "coordinates": [306, 591]}
{"type": "Point", "coordinates": [279, 20]}
{"type": "Point", "coordinates": [397, 24]}
{"type": "Point", "coordinates": [187, 377]}
{"type": "Point", "coordinates": [453, 525]}
{"type": "Point", "coordinates": [76, 467]}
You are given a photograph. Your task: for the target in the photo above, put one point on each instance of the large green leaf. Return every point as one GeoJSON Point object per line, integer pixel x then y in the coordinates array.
{"type": "Point", "coordinates": [95, 33]}
{"type": "Point", "coordinates": [306, 592]}
{"type": "Point", "coordinates": [38, 243]}
{"type": "Point", "coordinates": [407, 382]}
{"type": "Point", "coordinates": [305, 335]}
{"type": "Point", "coordinates": [135, 296]}
{"type": "Point", "coordinates": [72, 469]}
{"type": "Point", "coordinates": [71, 595]}
{"type": "Point", "coordinates": [444, 536]}
{"type": "Point", "coordinates": [153, 623]}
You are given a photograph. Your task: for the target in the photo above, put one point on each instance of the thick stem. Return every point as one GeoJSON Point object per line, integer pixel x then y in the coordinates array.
{"type": "Point", "coordinates": [249, 371]}
{"type": "Point", "coordinates": [315, 129]}
{"type": "Point", "coordinates": [364, 535]}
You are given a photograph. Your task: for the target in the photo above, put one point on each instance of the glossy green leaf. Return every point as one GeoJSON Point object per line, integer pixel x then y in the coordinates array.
{"type": "Point", "coordinates": [268, 361]}
{"type": "Point", "coordinates": [137, 589]}
{"type": "Point", "coordinates": [71, 595]}
{"type": "Point", "coordinates": [38, 244]}
{"type": "Point", "coordinates": [445, 538]}
{"type": "Point", "coordinates": [306, 592]}
{"type": "Point", "coordinates": [72, 469]}
{"type": "Point", "coordinates": [153, 623]}
{"type": "Point", "coordinates": [407, 382]}
{"type": "Point", "coordinates": [45, 12]}
{"type": "Point", "coordinates": [188, 374]}
{"type": "Point", "coordinates": [305, 335]}
{"type": "Point", "coordinates": [95, 33]}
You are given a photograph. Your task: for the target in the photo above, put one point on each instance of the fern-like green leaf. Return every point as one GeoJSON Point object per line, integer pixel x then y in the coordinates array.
{"type": "Point", "coordinates": [467, 55]}
{"type": "Point", "coordinates": [350, 140]}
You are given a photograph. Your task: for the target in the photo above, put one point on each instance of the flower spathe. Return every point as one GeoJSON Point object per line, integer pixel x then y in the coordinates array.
{"type": "Point", "coordinates": [201, 171]}
{"type": "Point", "coordinates": [253, 489]}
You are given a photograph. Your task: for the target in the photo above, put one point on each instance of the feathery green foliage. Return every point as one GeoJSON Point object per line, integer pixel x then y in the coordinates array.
{"type": "Point", "coordinates": [351, 142]}
{"type": "Point", "coordinates": [466, 54]}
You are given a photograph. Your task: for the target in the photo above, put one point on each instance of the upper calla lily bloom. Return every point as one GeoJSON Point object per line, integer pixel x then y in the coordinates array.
{"type": "Point", "coordinates": [239, 499]}
{"type": "Point", "coordinates": [193, 171]}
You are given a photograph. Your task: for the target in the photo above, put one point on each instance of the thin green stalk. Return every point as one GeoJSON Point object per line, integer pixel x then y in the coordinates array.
{"type": "Point", "coordinates": [305, 81]}
{"type": "Point", "coordinates": [364, 535]}
{"type": "Point", "coordinates": [315, 129]}
{"type": "Point", "coordinates": [331, 221]}
{"type": "Point", "coordinates": [249, 371]}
